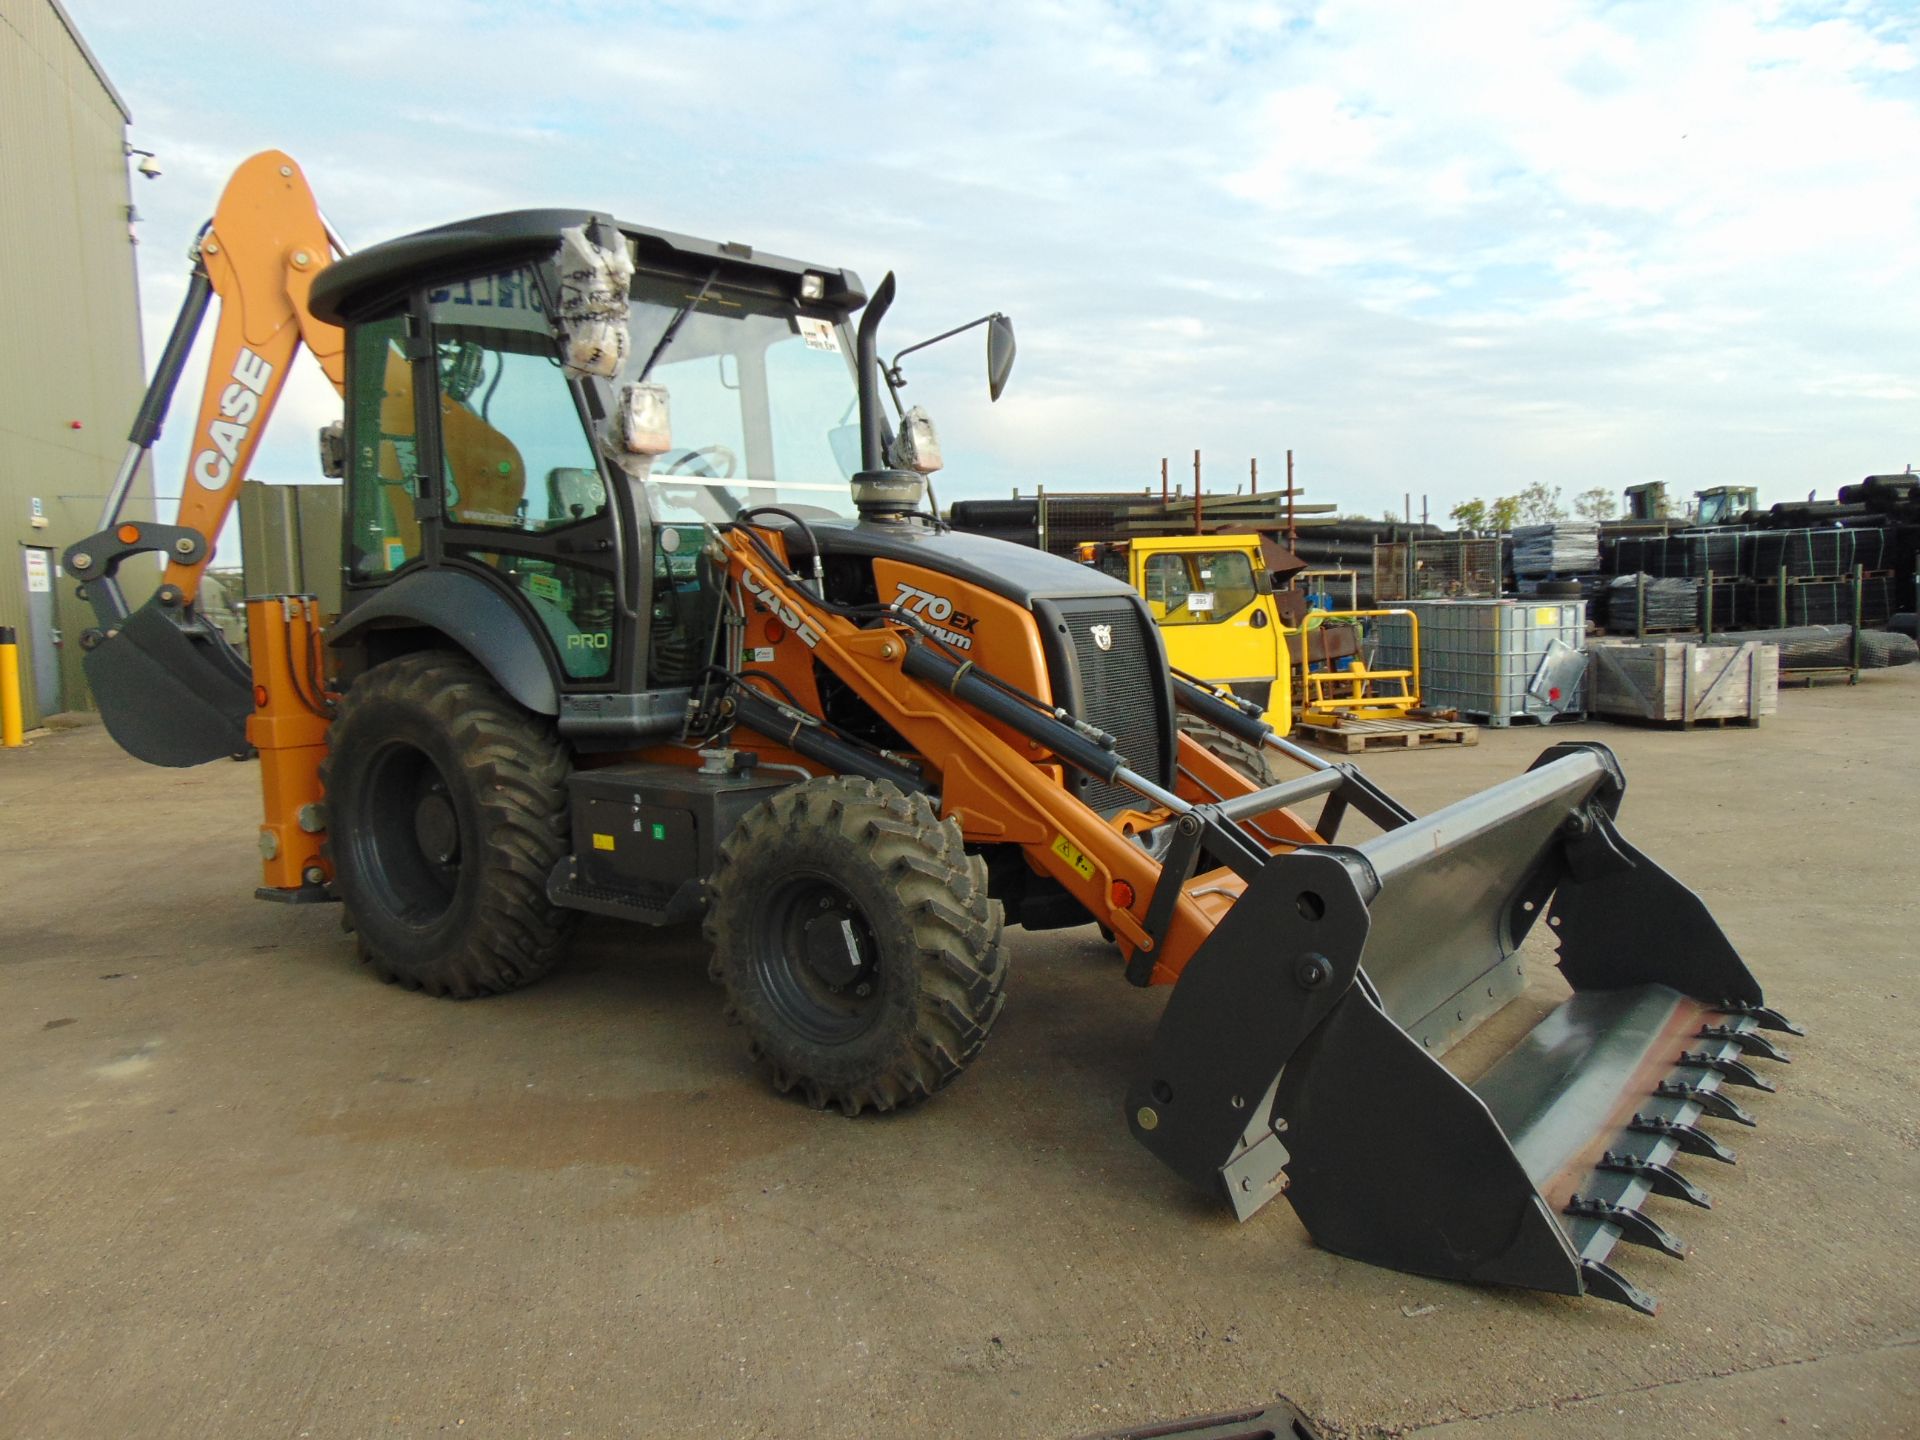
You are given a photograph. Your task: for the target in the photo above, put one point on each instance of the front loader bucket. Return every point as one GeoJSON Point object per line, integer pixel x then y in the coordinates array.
{"type": "Point", "coordinates": [170, 693]}
{"type": "Point", "coordinates": [1299, 1049]}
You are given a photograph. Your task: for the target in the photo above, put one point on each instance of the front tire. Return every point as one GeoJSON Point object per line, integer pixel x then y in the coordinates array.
{"type": "Point", "coordinates": [856, 943]}
{"type": "Point", "coordinates": [446, 811]}
{"type": "Point", "coordinates": [1249, 760]}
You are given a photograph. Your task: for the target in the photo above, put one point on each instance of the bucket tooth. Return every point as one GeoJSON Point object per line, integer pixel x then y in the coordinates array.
{"type": "Point", "coordinates": [1752, 1042]}
{"type": "Point", "coordinates": [1729, 1069]}
{"type": "Point", "coordinates": [1661, 1179]}
{"type": "Point", "coordinates": [1606, 1283]}
{"type": "Point", "coordinates": [1764, 1016]}
{"type": "Point", "coordinates": [1711, 1101]}
{"type": "Point", "coordinates": [1690, 1138]}
{"type": "Point", "coordinates": [1634, 1227]}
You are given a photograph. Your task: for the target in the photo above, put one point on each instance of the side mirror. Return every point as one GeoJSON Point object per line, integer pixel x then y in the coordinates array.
{"type": "Point", "coordinates": [1000, 352]}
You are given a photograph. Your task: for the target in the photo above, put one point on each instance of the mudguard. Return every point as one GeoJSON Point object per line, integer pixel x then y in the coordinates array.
{"type": "Point", "coordinates": [474, 616]}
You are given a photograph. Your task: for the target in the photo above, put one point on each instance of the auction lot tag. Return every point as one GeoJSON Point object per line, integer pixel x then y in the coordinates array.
{"type": "Point", "coordinates": [818, 333]}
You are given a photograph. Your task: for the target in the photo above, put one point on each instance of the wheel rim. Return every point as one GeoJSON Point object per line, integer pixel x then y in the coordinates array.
{"type": "Point", "coordinates": [817, 962]}
{"type": "Point", "coordinates": [410, 846]}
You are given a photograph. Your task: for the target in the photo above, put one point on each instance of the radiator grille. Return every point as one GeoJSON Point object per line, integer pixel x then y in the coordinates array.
{"type": "Point", "coordinates": [1122, 689]}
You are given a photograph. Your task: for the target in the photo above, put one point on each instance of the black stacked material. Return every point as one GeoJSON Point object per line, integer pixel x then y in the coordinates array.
{"type": "Point", "coordinates": [1017, 521]}
{"type": "Point", "coordinates": [1804, 553]}
{"type": "Point", "coordinates": [1810, 602]}
{"type": "Point", "coordinates": [1670, 604]}
{"type": "Point", "coordinates": [1690, 553]}
{"type": "Point", "coordinates": [1824, 647]}
{"type": "Point", "coordinates": [1566, 547]}
{"type": "Point", "coordinates": [1648, 555]}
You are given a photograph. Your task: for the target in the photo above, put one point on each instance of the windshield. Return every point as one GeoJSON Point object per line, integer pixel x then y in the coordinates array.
{"type": "Point", "coordinates": [764, 407]}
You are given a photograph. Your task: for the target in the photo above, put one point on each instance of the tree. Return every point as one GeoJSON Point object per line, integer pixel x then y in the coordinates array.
{"type": "Point", "coordinates": [1469, 514]}
{"type": "Point", "coordinates": [1596, 504]}
{"type": "Point", "coordinates": [1539, 504]}
{"type": "Point", "coordinates": [1504, 513]}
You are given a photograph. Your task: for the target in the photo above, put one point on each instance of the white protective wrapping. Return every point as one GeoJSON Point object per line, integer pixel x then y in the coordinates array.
{"type": "Point", "coordinates": [644, 426]}
{"type": "Point", "coordinates": [593, 303]}
{"type": "Point", "coordinates": [917, 447]}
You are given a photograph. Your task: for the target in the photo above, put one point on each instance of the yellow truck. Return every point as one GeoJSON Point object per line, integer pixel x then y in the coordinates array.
{"type": "Point", "coordinates": [1224, 622]}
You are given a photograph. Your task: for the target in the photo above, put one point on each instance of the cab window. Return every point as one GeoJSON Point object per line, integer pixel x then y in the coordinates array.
{"type": "Point", "coordinates": [383, 526]}
{"type": "Point", "coordinates": [1198, 587]}
{"type": "Point", "coordinates": [515, 453]}
{"type": "Point", "coordinates": [516, 460]}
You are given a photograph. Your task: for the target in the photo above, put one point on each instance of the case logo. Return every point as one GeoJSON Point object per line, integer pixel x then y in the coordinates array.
{"type": "Point", "coordinates": [798, 623]}
{"type": "Point", "coordinates": [240, 405]}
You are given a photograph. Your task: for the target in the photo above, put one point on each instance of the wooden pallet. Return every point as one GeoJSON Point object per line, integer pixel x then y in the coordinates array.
{"type": "Point", "coordinates": [1712, 722]}
{"type": "Point", "coordinates": [1355, 736]}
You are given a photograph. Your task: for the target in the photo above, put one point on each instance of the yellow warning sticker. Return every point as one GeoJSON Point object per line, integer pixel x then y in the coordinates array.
{"type": "Point", "coordinates": [1066, 850]}
{"type": "Point", "coordinates": [603, 842]}
{"type": "Point", "coordinates": [1546, 615]}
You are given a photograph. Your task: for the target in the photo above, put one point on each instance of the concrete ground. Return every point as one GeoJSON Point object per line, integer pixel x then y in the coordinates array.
{"type": "Point", "coordinates": [248, 1191]}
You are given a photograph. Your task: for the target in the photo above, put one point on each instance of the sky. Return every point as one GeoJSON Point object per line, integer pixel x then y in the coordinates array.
{"type": "Point", "coordinates": [1438, 250]}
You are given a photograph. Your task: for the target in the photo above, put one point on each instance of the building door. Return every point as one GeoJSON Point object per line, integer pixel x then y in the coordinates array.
{"type": "Point", "coordinates": [43, 637]}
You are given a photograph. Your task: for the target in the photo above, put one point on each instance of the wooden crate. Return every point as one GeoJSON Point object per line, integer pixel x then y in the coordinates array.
{"type": "Point", "coordinates": [1673, 683]}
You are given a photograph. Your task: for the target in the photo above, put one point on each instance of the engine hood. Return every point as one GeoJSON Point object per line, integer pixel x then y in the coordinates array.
{"type": "Point", "coordinates": [1018, 572]}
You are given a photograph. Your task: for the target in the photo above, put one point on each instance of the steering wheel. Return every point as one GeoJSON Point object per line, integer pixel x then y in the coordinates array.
{"type": "Point", "coordinates": [706, 457]}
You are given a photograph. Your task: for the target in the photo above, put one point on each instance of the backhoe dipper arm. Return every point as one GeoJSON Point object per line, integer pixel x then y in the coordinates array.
{"type": "Point", "coordinates": [170, 689]}
{"type": "Point", "coordinates": [262, 253]}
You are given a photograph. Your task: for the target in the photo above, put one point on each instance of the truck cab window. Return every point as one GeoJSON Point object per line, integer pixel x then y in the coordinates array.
{"type": "Point", "coordinates": [1198, 587]}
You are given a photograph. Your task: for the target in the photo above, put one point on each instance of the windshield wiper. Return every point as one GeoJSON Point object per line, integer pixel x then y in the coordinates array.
{"type": "Point", "coordinates": [673, 326]}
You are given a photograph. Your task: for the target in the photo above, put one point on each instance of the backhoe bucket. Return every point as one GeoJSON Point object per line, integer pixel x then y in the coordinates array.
{"type": "Point", "coordinates": [170, 693]}
{"type": "Point", "coordinates": [1299, 1049]}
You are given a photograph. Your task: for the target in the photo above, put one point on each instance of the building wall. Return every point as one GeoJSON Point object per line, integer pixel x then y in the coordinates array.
{"type": "Point", "coordinates": [70, 345]}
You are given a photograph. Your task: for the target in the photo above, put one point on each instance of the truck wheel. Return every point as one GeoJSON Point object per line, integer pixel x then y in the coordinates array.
{"type": "Point", "coordinates": [856, 942]}
{"type": "Point", "coordinates": [446, 810]}
{"type": "Point", "coordinates": [1249, 760]}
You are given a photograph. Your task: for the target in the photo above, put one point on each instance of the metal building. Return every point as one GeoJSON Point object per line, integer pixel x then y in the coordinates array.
{"type": "Point", "coordinates": [71, 371]}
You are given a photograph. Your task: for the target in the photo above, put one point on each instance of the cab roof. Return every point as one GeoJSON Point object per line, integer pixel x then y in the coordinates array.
{"type": "Point", "coordinates": [381, 275]}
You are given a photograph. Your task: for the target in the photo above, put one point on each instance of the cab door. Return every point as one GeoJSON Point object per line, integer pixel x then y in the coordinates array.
{"type": "Point", "coordinates": [1214, 617]}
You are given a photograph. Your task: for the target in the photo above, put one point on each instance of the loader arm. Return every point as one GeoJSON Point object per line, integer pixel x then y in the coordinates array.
{"type": "Point", "coordinates": [996, 791]}
{"type": "Point", "coordinates": [170, 689]}
{"type": "Point", "coordinates": [1316, 984]}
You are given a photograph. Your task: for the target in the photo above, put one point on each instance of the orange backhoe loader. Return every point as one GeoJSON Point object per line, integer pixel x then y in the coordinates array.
{"type": "Point", "coordinates": [645, 615]}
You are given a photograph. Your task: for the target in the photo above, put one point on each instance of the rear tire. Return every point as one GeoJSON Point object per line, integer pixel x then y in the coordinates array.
{"type": "Point", "coordinates": [446, 811]}
{"type": "Point", "coordinates": [856, 943]}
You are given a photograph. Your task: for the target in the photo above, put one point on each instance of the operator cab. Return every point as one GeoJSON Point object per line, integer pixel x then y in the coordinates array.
{"type": "Point", "coordinates": [475, 457]}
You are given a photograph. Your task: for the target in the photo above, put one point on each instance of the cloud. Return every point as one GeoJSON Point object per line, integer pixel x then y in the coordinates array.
{"type": "Point", "coordinates": [1447, 249]}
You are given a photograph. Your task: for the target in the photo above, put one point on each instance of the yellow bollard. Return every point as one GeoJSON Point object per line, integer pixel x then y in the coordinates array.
{"type": "Point", "coordinates": [12, 733]}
